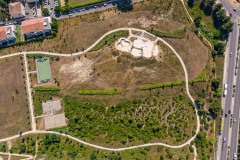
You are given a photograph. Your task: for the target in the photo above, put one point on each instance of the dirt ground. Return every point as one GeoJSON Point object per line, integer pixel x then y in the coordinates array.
{"type": "Point", "coordinates": [111, 69]}
{"type": "Point", "coordinates": [13, 98]}
{"type": "Point", "coordinates": [235, 3]}
{"type": "Point", "coordinates": [195, 57]}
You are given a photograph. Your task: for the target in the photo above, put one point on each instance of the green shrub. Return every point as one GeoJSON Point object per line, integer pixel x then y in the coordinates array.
{"type": "Point", "coordinates": [110, 39]}
{"type": "Point", "coordinates": [41, 88]}
{"type": "Point", "coordinates": [99, 92]}
{"type": "Point", "coordinates": [180, 33]}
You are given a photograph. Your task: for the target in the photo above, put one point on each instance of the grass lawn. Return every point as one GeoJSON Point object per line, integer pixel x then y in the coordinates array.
{"type": "Point", "coordinates": [75, 2]}
{"type": "Point", "coordinates": [18, 35]}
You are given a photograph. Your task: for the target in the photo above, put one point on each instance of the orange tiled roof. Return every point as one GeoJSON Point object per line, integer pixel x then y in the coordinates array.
{"type": "Point", "coordinates": [32, 25]}
{"type": "Point", "coordinates": [15, 8]}
{"type": "Point", "coordinates": [3, 33]}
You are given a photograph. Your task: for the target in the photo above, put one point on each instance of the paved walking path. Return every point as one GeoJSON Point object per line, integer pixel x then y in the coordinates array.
{"type": "Point", "coordinates": [19, 155]}
{"type": "Point", "coordinates": [34, 131]}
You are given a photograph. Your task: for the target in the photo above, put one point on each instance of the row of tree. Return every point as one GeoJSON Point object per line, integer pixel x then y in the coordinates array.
{"type": "Point", "coordinates": [221, 21]}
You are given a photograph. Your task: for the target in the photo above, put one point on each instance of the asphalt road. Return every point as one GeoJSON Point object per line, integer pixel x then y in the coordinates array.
{"type": "Point", "coordinates": [230, 73]}
{"type": "Point", "coordinates": [231, 102]}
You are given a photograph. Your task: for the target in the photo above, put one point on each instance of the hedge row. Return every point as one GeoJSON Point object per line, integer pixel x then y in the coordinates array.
{"type": "Point", "coordinates": [68, 7]}
{"type": "Point", "coordinates": [41, 88]}
{"type": "Point", "coordinates": [171, 84]}
{"type": "Point", "coordinates": [99, 92]}
{"type": "Point", "coordinates": [109, 39]}
{"type": "Point", "coordinates": [180, 33]}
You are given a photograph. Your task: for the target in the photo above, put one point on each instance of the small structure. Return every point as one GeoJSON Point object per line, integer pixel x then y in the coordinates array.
{"type": "Point", "coordinates": [43, 70]}
{"type": "Point", "coordinates": [55, 121]}
{"type": "Point", "coordinates": [7, 34]}
{"type": "Point", "coordinates": [53, 118]}
{"type": "Point", "coordinates": [36, 27]}
{"type": "Point", "coordinates": [50, 107]}
{"type": "Point", "coordinates": [16, 10]}
{"type": "Point", "coordinates": [124, 45]}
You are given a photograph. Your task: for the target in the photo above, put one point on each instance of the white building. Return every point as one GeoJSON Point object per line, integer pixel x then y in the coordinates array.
{"type": "Point", "coordinates": [7, 34]}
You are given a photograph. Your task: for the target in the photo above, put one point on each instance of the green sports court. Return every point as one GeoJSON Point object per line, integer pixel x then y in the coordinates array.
{"type": "Point", "coordinates": [43, 69]}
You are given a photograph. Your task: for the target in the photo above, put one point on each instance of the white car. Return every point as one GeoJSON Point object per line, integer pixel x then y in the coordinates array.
{"type": "Point", "coordinates": [225, 89]}
{"type": "Point", "coordinates": [234, 156]}
{"type": "Point", "coordinates": [83, 9]}
{"type": "Point", "coordinates": [105, 4]}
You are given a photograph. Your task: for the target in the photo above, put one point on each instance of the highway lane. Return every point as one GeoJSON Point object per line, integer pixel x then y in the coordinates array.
{"type": "Point", "coordinates": [228, 98]}
{"type": "Point", "coordinates": [235, 126]}
{"type": "Point", "coordinates": [233, 42]}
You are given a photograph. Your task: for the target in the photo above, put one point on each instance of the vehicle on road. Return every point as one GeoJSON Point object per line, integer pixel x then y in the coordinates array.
{"type": "Point", "coordinates": [234, 120]}
{"type": "Point", "coordinates": [225, 90]}
{"type": "Point", "coordinates": [230, 54]}
{"type": "Point", "coordinates": [234, 9]}
{"type": "Point", "coordinates": [234, 156]}
{"type": "Point", "coordinates": [222, 126]}
{"type": "Point", "coordinates": [224, 140]}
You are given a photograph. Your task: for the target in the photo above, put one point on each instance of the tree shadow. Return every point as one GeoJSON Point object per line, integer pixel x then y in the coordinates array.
{"type": "Point", "coordinates": [124, 5]}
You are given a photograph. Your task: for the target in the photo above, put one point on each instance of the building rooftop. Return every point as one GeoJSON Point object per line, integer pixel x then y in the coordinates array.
{"type": "Point", "coordinates": [32, 25]}
{"type": "Point", "coordinates": [3, 33]}
{"type": "Point", "coordinates": [14, 8]}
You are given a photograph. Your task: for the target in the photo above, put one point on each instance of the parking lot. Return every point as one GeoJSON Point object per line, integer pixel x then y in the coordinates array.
{"type": "Point", "coordinates": [50, 5]}
{"type": "Point", "coordinates": [30, 10]}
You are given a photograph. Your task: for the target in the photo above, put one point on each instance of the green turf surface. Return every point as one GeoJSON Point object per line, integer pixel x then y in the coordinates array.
{"type": "Point", "coordinates": [44, 71]}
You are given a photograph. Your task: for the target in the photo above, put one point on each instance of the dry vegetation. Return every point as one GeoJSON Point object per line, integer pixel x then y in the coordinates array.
{"type": "Point", "coordinates": [13, 98]}
{"type": "Point", "coordinates": [110, 69]}
{"type": "Point", "coordinates": [80, 32]}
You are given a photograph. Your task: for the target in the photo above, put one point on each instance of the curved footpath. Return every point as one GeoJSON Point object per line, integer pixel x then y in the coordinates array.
{"type": "Point", "coordinates": [101, 147]}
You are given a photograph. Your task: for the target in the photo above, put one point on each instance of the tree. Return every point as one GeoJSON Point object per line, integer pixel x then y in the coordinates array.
{"type": "Point", "coordinates": [227, 27]}
{"type": "Point", "coordinates": [57, 9]}
{"type": "Point", "coordinates": [190, 3]}
{"type": "Point", "coordinates": [3, 147]}
{"type": "Point", "coordinates": [93, 156]}
{"type": "Point", "coordinates": [219, 48]}
{"type": "Point", "coordinates": [45, 12]}
{"type": "Point", "coordinates": [197, 21]}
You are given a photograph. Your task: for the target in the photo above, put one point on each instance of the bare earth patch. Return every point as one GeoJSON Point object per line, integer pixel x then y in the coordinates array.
{"type": "Point", "coordinates": [13, 98]}
{"type": "Point", "coordinates": [78, 71]}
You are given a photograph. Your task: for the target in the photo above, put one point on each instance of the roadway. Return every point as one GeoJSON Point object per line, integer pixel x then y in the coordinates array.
{"type": "Point", "coordinates": [231, 101]}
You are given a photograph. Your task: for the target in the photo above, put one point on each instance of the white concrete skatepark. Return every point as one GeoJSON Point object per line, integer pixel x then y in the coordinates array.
{"type": "Point", "coordinates": [140, 46]}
